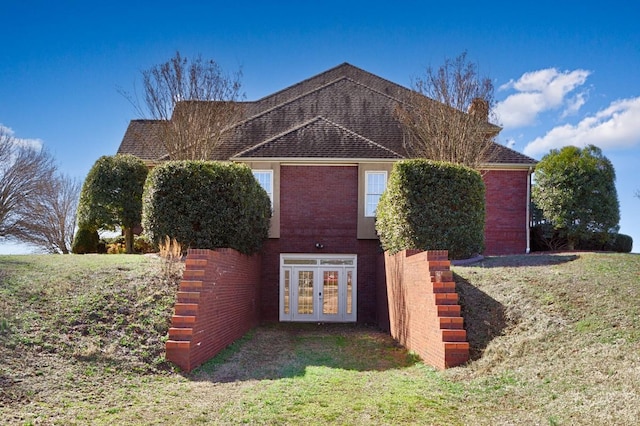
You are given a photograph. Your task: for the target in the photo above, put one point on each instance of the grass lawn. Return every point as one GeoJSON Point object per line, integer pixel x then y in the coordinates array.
{"type": "Point", "coordinates": [555, 341]}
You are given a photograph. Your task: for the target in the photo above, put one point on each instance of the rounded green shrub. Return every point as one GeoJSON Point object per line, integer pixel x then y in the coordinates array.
{"type": "Point", "coordinates": [622, 244]}
{"type": "Point", "coordinates": [430, 205]}
{"type": "Point", "coordinates": [85, 241]}
{"type": "Point", "coordinates": [206, 205]}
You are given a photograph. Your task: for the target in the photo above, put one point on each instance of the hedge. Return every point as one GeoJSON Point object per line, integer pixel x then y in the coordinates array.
{"type": "Point", "coordinates": [545, 238]}
{"type": "Point", "coordinates": [430, 205]}
{"type": "Point", "coordinates": [85, 241]}
{"type": "Point", "coordinates": [206, 205]}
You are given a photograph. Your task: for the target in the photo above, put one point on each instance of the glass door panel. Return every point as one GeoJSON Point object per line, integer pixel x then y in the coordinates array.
{"type": "Point", "coordinates": [287, 291]}
{"type": "Point", "coordinates": [349, 292]}
{"type": "Point", "coordinates": [329, 296]}
{"type": "Point", "coordinates": [305, 292]}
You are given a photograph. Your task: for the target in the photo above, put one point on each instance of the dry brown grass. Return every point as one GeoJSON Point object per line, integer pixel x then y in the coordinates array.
{"type": "Point", "coordinates": [568, 348]}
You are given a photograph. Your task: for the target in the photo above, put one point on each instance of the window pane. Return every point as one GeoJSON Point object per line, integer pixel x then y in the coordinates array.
{"type": "Point", "coordinates": [330, 292]}
{"type": "Point", "coordinates": [336, 261]}
{"type": "Point", "coordinates": [300, 261]}
{"type": "Point", "coordinates": [371, 204]}
{"type": "Point", "coordinates": [376, 183]}
{"type": "Point", "coordinates": [265, 179]}
{"type": "Point", "coordinates": [286, 290]}
{"type": "Point", "coordinates": [349, 292]}
{"type": "Point", "coordinates": [305, 292]}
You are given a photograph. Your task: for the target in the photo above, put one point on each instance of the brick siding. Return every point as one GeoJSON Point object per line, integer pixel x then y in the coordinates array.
{"type": "Point", "coordinates": [506, 211]}
{"type": "Point", "coordinates": [319, 204]}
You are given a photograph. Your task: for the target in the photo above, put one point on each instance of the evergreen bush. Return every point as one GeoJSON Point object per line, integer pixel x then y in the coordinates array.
{"type": "Point", "coordinates": [430, 205]}
{"type": "Point", "coordinates": [85, 241]}
{"type": "Point", "coordinates": [206, 205]}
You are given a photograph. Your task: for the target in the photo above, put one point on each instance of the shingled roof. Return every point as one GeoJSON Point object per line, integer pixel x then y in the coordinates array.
{"type": "Point", "coordinates": [345, 113]}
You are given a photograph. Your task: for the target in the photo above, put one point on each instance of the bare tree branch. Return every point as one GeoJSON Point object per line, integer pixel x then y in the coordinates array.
{"type": "Point", "coordinates": [24, 174]}
{"type": "Point", "coordinates": [194, 102]}
{"type": "Point", "coordinates": [447, 116]}
{"type": "Point", "coordinates": [47, 220]}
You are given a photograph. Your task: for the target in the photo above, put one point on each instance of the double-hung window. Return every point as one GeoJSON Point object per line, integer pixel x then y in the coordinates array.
{"type": "Point", "coordinates": [375, 184]}
{"type": "Point", "coordinates": [265, 178]}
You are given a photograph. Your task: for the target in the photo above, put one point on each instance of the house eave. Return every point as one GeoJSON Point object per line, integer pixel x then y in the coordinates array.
{"type": "Point", "coordinates": [507, 166]}
{"type": "Point", "coordinates": [316, 161]}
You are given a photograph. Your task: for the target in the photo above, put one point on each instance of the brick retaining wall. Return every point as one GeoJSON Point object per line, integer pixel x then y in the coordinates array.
{"type": "Point", "coordinates": [217, 303]}
{"type": "Point", "coordinates": [424, 314]}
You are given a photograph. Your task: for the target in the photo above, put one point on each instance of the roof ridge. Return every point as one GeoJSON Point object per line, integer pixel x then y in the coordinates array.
{"type": "Point", "coordinates": [330, 83]}
{"type": "Point", "coordinates": [342, 65]}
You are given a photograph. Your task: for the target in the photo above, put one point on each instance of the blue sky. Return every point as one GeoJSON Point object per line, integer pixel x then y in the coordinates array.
{"type": "Point", "coordinates": [564, 72]}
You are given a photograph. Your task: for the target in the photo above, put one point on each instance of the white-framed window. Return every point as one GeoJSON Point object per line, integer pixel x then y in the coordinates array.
{"type": "Point", "coordinates": [375, 184]}
{"type": "Point", "coordinates": [265, 178]}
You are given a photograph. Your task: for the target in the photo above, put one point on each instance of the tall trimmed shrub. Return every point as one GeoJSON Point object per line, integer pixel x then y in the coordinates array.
{"type": "Point", "coordinates": [85, 241]}
{"type": "Point", "coordinates": [430, 205]}
{"type": "Point", "coordinates": [111, 195]}
{"type": "Point", "coordinates": [206, 205]}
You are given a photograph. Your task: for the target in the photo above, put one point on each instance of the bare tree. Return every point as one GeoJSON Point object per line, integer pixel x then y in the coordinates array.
{"type": "Point", "coordinates": [447, 116]}
{"type": "Point", "coordinates": [194, 101]}
{"type": "Point", "coordinates": [25, 172]}
{"type": "Point", "coordinates": [47, 220]}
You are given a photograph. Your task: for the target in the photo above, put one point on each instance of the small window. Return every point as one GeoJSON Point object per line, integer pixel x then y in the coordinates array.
{"type": "Point", "coordinates": [375, 184]}
{"type": "Point", "coordinates": [265, 178]}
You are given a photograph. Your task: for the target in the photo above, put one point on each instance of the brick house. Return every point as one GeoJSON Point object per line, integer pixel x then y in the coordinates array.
{"type": "Point", "coordinates": [323, 149]}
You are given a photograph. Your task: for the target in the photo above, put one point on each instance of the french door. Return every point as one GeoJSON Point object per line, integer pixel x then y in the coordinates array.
{"type": "Point", "coordinates": [318, 288]}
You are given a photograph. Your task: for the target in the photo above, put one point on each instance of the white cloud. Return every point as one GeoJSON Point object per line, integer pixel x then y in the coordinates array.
{"type": "Point", "coordinates": [540, 91]}
{"type": "Point", "coordinates": [574, 104]}
{"type": "Point", "coordinates": [33, 143]}
{"type": "Point", "coordinates": [617, 126]}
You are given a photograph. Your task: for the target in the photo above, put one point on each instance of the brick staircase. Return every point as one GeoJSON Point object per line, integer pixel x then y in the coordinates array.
{"type": "Point", "coordinates": [424, 312]}
{"type": "Point", "coordinates": [183, 321]}
{"type": "Point", "coordinates": [443, 288]}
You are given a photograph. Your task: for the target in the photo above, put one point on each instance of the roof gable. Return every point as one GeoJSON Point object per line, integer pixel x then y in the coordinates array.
{"type": "Point", "coordinates": [318, 138]}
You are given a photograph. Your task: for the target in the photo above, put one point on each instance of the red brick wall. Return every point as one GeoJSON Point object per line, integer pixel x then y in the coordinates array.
{"type": "Point", "coordinates": [506, 207]}
{"type": "Point", "coordinates": [217, 303]}
{"type": "Point", "coordinates": [424, 314]}
{"type": "Point", "coordinates": [319, 204]}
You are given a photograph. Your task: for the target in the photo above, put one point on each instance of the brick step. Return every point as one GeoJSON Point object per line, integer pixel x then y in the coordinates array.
{"type": "Point", "coordinates": [183, 320]}
{"type": "Point", "coordinates": [190, 285]}
{"type": "Point", "coordinates": [446, 298]}
{"type": "Point", "coordinates": [195, 262]}
{"type": "Point", "coordinates": [186, 309]}
{"type": "Point", "coordinates": [456, 346]}
{"type": "Point", "coordinates": [451, 323]}
{"type": "Point", "coordinates": [188, 296]}
{"type": "Point", "coordinates": [456, 353]}
{"type": "Point", "coordinates": [180, 333]}
{"type": "Point", "coordinates": [192, 273]}
{"type": "Point", "coordinates": [441, 276]}
{"type": "Point", "coordinates": [443, 287]}
{"type": "Point", "coordinates": [454, 335]}
{"type": "Point", "coordinates": [448, 310]}
{"type": "Point", "coordinates": [435, 255]}
{"type": "Point", "coordinates": [439, 265]}
{"type": "Point", "coordinates": [177, 345]}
